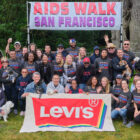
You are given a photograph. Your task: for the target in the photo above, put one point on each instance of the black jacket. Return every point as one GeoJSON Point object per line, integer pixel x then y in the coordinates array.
{"type": "Point", "coordinates": [83, 74]}
{"type": "Point", "coordinates": [46, 72]}
{"type": "Point", "coordinates": [117, 69]}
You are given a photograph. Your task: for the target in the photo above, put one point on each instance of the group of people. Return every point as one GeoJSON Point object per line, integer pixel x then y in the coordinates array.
{"type": "Point", "coordinates": [71, 71]}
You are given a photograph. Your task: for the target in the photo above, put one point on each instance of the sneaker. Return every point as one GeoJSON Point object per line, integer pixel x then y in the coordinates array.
{"type": "Point", "coordinates": [22, 113]}
{"type": "Point", "coordinates": [130, 124]}
{"type": "Point", "coordinates": [15, 111]}
{"type": "Point", "coordinates": [124, 122]}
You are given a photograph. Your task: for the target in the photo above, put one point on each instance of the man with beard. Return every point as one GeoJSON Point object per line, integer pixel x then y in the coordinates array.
{"type": "Point", "coordinates": [73, 49]}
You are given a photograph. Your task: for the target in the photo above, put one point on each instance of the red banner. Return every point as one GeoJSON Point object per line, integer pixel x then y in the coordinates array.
{"type": "Point", "coordinates": [70, 113]}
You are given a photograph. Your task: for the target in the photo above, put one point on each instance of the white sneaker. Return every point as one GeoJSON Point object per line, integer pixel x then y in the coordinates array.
{"type": "Point", "coordinates": [22, 113]}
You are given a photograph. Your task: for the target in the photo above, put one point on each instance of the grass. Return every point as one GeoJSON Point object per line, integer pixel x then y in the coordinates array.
{"type": "Point", "coordinates": [10, 131]}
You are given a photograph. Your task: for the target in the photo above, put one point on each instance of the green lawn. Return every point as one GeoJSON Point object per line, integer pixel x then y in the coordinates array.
{"type": "Point", "coordinates": [10, 131]}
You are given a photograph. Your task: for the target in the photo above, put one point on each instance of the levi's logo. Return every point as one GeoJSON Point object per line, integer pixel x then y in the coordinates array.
{"type": "Point", "coordinates": [69, 113]}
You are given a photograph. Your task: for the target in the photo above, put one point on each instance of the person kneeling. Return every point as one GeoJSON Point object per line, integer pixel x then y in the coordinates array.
{"type": "Point", "coordinates": [124, 102]}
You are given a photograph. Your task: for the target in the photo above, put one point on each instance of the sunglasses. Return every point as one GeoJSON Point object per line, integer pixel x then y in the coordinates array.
{"type": "Point", "coordinates": [110, 48]}
{"type": "Point", "coordinates": [126, 44]}
{"type": "Point", "coordinates": [86, 62]}
{"type": "Point", "coordinates": [4, 62]}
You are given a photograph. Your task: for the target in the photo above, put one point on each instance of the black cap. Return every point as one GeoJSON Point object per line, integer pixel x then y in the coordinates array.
{"type": "Point", "coordinates": [60, 46]}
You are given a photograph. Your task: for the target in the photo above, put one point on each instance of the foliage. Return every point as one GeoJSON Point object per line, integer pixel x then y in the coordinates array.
{"type": "Point", "coordinates": [13, 23]}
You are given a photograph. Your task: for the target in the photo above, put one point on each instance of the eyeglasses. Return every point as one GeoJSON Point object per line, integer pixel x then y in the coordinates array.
{"type": "Point", "coordinates": [127, 44]}
{"type": "Point", "coordinates": [24, 72]}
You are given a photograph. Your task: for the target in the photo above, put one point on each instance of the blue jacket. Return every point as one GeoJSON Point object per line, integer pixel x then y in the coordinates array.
{"type": "Point", "coordinates": [22, 83]}
{"type": "Point", "coordinates": [31, 88]}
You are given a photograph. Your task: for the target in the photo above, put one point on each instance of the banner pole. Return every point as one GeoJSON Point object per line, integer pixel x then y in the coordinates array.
{"type": "Point", "coordinates": [121, 30]}
{"type": "Point", "coordinates": [28, 27]}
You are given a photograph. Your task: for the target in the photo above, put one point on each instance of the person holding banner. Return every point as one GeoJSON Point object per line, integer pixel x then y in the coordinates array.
{"type": "Point", "coordinates": [37, 86]}
{"type": "Point", "coordinates": [54, 86]}
{"type": "Point", "coordinates": [124, 100]}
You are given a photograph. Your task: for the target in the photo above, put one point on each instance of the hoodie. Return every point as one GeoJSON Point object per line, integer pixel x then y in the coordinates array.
{"type": "Point", "coordinates": [94, 56]}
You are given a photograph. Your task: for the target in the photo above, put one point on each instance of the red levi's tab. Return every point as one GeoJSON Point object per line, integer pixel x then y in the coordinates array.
{"type": "Point", "coordinates": [69, 113]}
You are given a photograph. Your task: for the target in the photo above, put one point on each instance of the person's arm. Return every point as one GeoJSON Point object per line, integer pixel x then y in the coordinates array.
{"type": "Point", "coordinates": [106, 38]}
{"type": "Point", "coordinates": [117, 67]}
{"type": "Point", "coordinates": [8, 45]}
{"type": "Point", "coordinates": [129, 100]}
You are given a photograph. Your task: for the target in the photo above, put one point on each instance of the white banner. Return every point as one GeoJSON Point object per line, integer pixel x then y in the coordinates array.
{"type": "Point", "coordinates": [75, 15]}
{"type": "Point", "coordinates": [64, 112]}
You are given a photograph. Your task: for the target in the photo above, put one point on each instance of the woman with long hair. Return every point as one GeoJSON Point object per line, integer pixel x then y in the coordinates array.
{"type": "Point", "coordinates": [81, 56]}
{"type": "Point", "coordinates": [105, 86]}
{"type": "Point", "coordinates": [92, 85]}
{"type": "Point", "coordinates": [69, 70]}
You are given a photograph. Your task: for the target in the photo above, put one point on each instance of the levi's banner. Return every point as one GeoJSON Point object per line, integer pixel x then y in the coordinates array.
{"type": "Point", "coordinates": [75, 15]}
{"type": "Point", "coordinates": [63, 112]}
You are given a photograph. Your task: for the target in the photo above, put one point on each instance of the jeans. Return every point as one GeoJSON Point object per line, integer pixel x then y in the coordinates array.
{"type": "Point", "coordinates": [11, 94]}
{"type": "Point", "coordinates": [116, 113]}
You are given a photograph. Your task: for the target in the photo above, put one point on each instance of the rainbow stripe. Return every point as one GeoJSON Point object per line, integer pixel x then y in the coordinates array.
{"type": "Point", "coordinates": [99, 125]}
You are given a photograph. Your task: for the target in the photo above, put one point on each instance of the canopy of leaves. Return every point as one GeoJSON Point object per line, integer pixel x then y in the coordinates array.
{"type": "Point", "coordinates": [13, 23]}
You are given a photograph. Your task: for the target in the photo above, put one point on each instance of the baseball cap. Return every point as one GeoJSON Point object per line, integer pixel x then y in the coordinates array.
{"type": "Point", "coordinates": [17, 42]}
{"type": "Point", "coordinates": [86, 60]}
{"type": "Point", "coordinates": [60, 46]}
{"type": "Point", "coordinates": [72, 40]}
{"type": "Point", "coordinates": [119, 76]}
